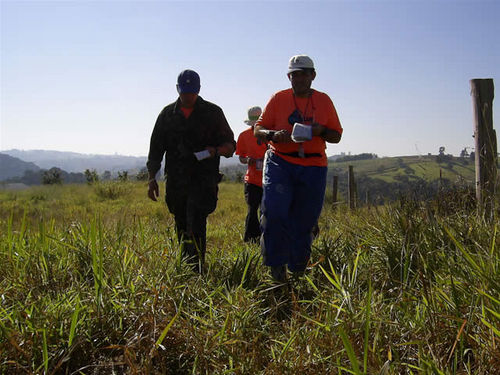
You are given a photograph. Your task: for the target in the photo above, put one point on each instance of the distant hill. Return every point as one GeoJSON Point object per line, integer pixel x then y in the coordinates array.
{"type": "Point", "coordinates": [392, 169]}
{"type": "Point", "coordinates": [14, 167]}
{"type": "Point", "coordinates": [76, 162]}
{"type": "Point", "coordinates": [384, 179]}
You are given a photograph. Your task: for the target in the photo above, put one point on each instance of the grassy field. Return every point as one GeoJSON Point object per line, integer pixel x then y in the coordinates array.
{"type": "Point", "coordinates": [425, 167]}
{"type": "Point", "coordinates": [92, 283]}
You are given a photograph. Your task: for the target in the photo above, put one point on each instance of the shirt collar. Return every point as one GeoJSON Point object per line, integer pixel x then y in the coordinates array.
{"type": "Point", "coordinates": [199, 102]}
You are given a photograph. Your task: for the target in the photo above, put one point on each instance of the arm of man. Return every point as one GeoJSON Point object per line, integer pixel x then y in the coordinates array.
{"type": "Point", "coordinates": [226, 149]}
{"type": "Point", "coordinates": [277, 136]}
{"type": "Point", "coordinates": [329, 135]}
{"type": "Point", "coordinates": [331, 132]}
{"type": "Point", "coordinates": [155, 156]}
{"type": "Point", "coordinates": [153, 189]}
{"type": "Point", "coordinates": [241, 149]}
{"type": "Point", "coordinates": [226, 144]}
{"type": "Point", "coordinates": [263, 128]}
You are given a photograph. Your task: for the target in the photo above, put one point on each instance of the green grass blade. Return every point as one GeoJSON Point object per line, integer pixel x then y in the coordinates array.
{"type": "Point", "coordinates": [166, 329]}
{"type": "Point", "coordinates": [74, 321]}
{"type": "Point", "coordinates": [464, 252]}
{"type": "Point", "coordinates": [45, 351]}
{"type": "Point", "coordinates": [349, 350]}
{"type": "Point", "coordinates": [249, 259]}
{"type": "Point", "coordinates": [308, 279]}
{"type": "Point", "coordinates": [488, 296]}
{"type": "Point", "coordinates": [330, 279]}
{"type": "Point", "coordinates": [288, 343]}
{"type": "Point", "coordinates": [493, 241]}
{"type": "Point", "coordinates": [355, 267]}
{"type": "Point", "coordinates": [367, 326]}
{"type": "Point", "coordinates": [490, 326]}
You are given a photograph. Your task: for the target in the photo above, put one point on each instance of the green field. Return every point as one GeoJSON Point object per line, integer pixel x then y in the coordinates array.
{"type": "Point", "coordinates": [92, 283]}
{"type": "Point", "coordinates": [424, 167]}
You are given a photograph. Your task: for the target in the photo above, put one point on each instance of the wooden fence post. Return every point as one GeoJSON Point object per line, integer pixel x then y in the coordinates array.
{"type": "Point", "coordinates": [335, 190]}
{"type": "Point", "coordinates": [482, 92]}
{"type": "Point", "coordinates": [351, 191]}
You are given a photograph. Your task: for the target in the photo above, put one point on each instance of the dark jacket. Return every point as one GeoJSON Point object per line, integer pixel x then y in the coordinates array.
{"type": "Point", "coordinates": [179, 138]}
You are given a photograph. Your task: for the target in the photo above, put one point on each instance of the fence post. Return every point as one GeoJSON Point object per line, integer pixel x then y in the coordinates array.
{"type": "Point", "coordinates": [482, 92]}
{"type": "Point", "coordinates": [351, 191]}
{"type": "Point", "coordinates": [335, 190]}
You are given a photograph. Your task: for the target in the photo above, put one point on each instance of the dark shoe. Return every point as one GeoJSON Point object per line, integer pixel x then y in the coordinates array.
{"type": "Point", "coordinates": [279, 273]}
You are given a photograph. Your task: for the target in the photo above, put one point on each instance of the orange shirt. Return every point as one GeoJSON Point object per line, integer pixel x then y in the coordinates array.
{"type": "Point", "coordinates": [247, 146]}
{"type": "Point", "coordinates": [187, 111]}
{"type": "Point", "coordinates": [318, 108]}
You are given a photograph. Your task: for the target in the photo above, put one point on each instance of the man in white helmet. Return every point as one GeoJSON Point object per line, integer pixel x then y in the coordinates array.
{"type": "Point", "coordinates": [297, 123]}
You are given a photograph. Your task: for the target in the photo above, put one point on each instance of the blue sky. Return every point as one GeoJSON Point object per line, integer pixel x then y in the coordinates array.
{"type": "Point", "coordinates": [91, 77]}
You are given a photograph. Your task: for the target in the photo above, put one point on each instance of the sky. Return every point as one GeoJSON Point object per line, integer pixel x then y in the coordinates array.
{"type": "Point", "coordinates": [92, 76]}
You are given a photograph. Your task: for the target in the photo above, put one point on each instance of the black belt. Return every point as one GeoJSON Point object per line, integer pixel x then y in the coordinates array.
{"type": "Point", "coordinates": [297, 155]}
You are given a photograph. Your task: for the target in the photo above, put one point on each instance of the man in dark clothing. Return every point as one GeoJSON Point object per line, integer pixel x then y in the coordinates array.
{"type": "Point", "coordinates": [193, 133]}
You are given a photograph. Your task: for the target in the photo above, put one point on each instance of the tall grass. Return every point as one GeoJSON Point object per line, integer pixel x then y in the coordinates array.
{"type": "Point", "coordinates": [94, 284]}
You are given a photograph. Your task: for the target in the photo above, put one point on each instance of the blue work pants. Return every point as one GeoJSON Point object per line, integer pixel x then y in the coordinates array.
{"type": "Point", "coordinates": [291, 204]}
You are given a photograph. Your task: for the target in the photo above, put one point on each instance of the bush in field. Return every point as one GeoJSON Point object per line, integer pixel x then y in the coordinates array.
{"type": "Point", "coordinates": [123, 176]}
{"type": "Point", "coordinates": [91, 176]}
{"type": "Point", "coordinates": [106, 176]}
{"type": "Point", "coordinates": [52, 176]}
{"type": "Point", "coordinates": [111, 190]}
{"type": "Point", "coordinates": [143, 175]}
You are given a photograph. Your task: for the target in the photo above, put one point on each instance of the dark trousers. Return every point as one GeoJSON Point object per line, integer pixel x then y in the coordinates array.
{"type": "Point", "coordinates": [253, 197]}
{"type": "Point", "coordinates": [191, 228]}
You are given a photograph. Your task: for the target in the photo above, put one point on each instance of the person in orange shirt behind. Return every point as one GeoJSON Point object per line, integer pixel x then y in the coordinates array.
{"type": "Point", "coordinates": [252, 153]}
{"type": "Point", "coordinates": [297, 122]}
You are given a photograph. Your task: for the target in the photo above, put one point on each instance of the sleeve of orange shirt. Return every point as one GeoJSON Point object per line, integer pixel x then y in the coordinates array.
{"type": "Point", "coordinates": [267, 118]}
{"type": "Point", "coordinates": [241, 146]}
{"type": "Point", "coordinates": [333, 121]}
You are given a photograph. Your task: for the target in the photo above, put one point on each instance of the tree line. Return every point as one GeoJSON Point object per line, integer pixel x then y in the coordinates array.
{"type": "Point", "coordinates": [55, 176]}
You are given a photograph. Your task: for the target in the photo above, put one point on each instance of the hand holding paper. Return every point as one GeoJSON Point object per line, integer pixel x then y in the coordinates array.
{"type": "Point", "coordinates": [301, 132]}
{"type": "Point", "coordinates": [205, 154]}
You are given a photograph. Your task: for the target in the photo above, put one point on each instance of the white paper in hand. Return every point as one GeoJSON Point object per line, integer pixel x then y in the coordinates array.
{"type": "Point", "coordinates": [301, 132]}
{"type": "Point", "coordinates": [200, 155]}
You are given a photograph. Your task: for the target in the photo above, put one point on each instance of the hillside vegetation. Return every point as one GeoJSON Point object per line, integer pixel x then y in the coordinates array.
{"type": "Point", "coordinates": [381, 180]}
{"type": "Point", "coordinates": [92, 283]}
{"type": "Point", "coordinates": [390, 169]}
{"type": "Point", "coordinates": [13, 167]}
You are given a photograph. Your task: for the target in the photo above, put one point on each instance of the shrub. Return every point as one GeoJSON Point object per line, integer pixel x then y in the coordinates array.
{"type": "Point", "coordinates": [111, 190]}
{"type": "Point", "coordinates": [52, 176]}
{"type": "Point", "coordinates": [91, 176]}
{"type": "Point", "coordinates": [123, 176]}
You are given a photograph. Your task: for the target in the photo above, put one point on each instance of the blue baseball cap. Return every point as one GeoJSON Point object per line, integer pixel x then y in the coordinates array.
{"type": "Point", "coordinates": [188, 82]}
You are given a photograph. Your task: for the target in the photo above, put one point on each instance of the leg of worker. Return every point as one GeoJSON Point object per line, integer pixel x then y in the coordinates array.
{"type": "Point", "coordinates": [180, 226]}
{"type": "Point", "coordinates": [199, 238]}
{"type": "Point", "coordinates": [307, 203]}
{"type": "Point", "coordinates": [253, 198]}
{"type": "Point", "coordinates": [177, 202]}
{"type": "Point", "coordinates": [196, 233]}
{"type": "Point", "coordinates": [276, 200]}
